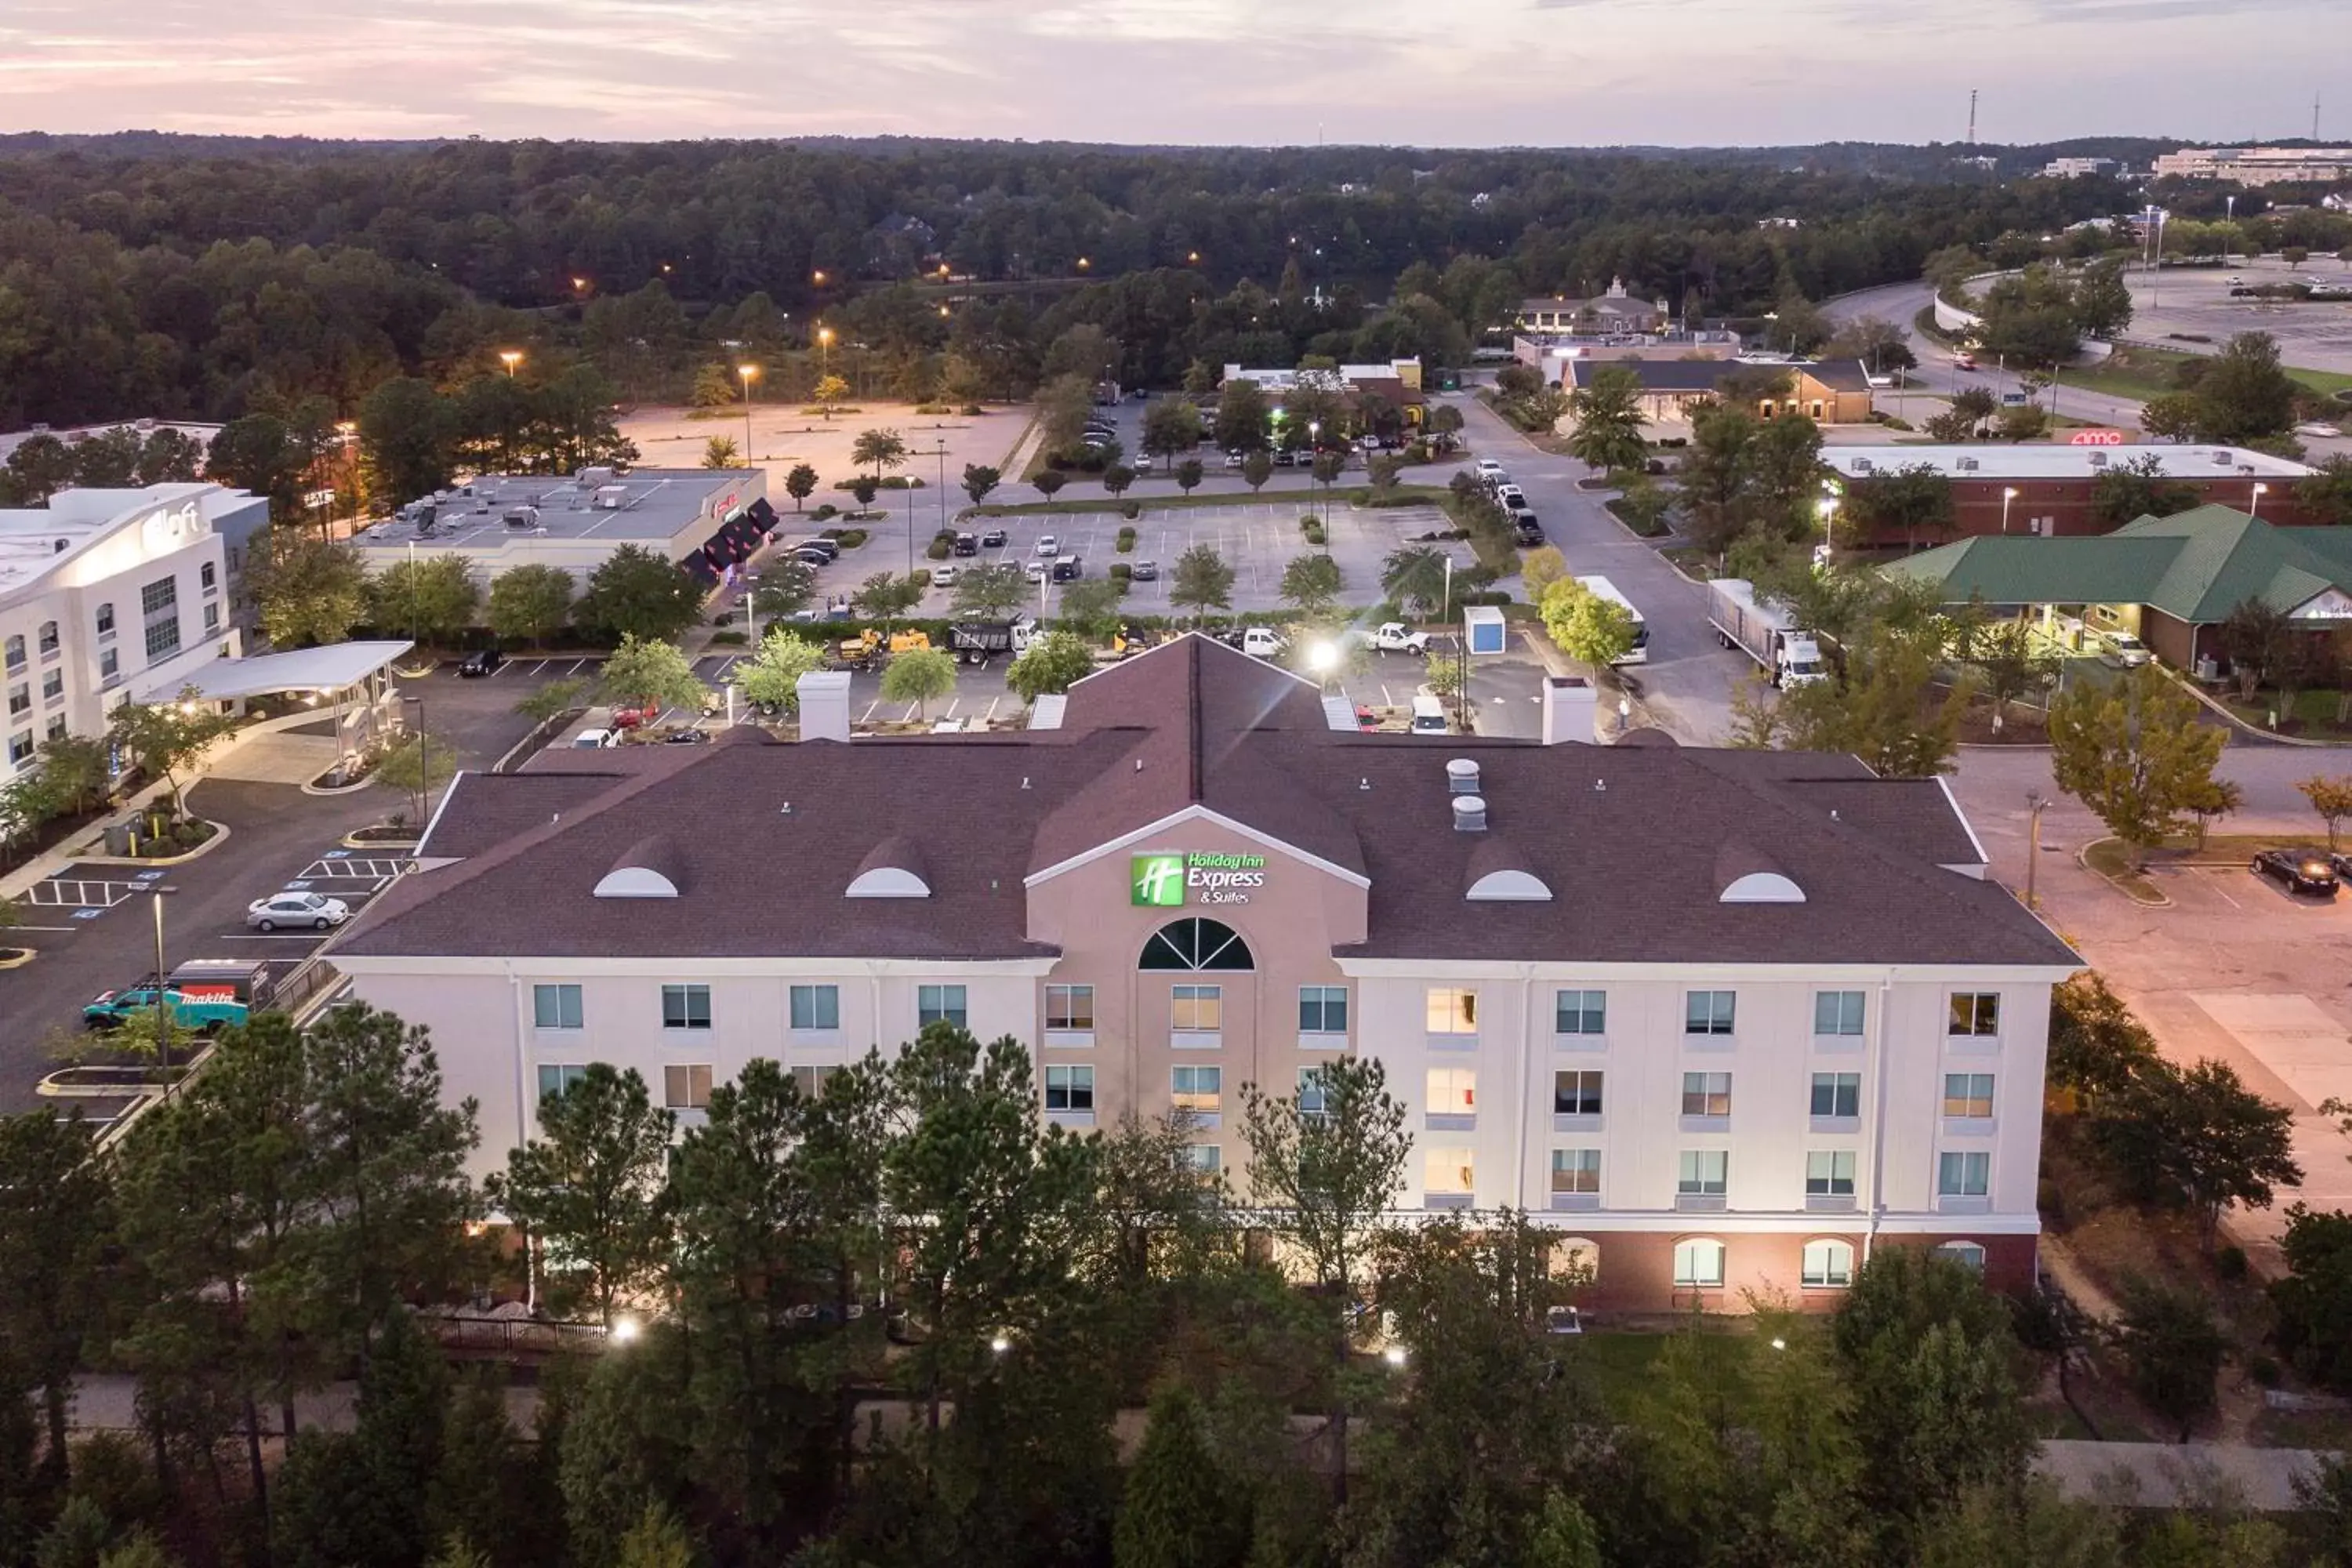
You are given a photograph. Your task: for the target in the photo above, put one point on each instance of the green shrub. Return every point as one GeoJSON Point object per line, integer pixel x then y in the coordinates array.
{"type": "Point", "coordinates": [889, 482]}
{"type": "Point", "coordinates": [971, 409]}
{"type": "Point", "coordinates": [849, 538]}
{"type": "Point", "coordinates": [1121, 570]}
{"type": "Point", "coordinates": [1123, 544]}
{"type": "Point", "coordinates": [732, 638]}
{"type": "Point", "coordinates": [933, 408]}
{"type": "Point", "coordinates": [1894, 422]}
{"type": "Point", "coordinates": [944, 536]}
{"type": "Point", "coordinates": [825, 510]}
{"type": "Point", "coordinates": [2229, 1262]}
{"type": "Point", "coordinates": [938, 550]}
{"type": "Point", "coordinates": [1130, 508]}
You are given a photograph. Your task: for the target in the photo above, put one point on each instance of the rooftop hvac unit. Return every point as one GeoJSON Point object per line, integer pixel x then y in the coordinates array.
{"type": "Point", "coordinates": [2098, 459]}
{"type": "Point", "coordinates": [592, 478]}
{"type": "Point", "coordinates": [1469, 813]}
{"type": "Point", "coordinates": [612, 498]}
{"type": "Point", "coordinates": [1864, 466]}
{"type": "Point", "coordinates": [1967, 465]}
{"type": "Point", "coordinates": [1462, 776]}
{"type": "Point", "coordinates": [2224, 456]}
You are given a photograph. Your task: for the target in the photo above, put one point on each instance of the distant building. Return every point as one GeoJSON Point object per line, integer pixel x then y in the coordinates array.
{"type": "Point", "coordinates": [1548, 354]}
{"type": "Point", "coordinates": [1397, 383]}
{"type": "Point", "coordinates": [705, 520]}
{"type": "Point", "coordinates": [2076, 168]}
{"type": "Point", "coordinates": [2257, 165]}
{"type": "Point", "coordinates": [2048, 489]}
{"type": "Point", "coordinates": [75, 434]}
{"type": "Point", "coordinates": [1614, 312]}
{"type": "Point", "coordinates": [104, 587]}
{"type": "Point", "coordinates": [1834, 392]}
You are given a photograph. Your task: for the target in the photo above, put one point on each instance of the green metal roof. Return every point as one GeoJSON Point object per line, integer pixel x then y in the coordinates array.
{"type": "Point", "coordinates": [2194, 565]}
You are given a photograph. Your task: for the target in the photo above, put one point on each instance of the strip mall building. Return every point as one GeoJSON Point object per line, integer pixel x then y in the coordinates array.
{"type": "Point", "coordinates": [1730, 1019]}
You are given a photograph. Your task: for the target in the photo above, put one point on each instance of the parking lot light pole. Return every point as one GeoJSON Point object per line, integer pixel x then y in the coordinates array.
{"type": "Point", "coordinates": [2007, 494]}
{"type": "Point", "coordinates": [2254, 501]}
{"type": "Point", "coordinates": [162, 1003]}
{"type": "Point", "coordinates": [750, 373]}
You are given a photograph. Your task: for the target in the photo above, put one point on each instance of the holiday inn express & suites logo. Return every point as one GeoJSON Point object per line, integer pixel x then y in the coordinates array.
{"type": "Point", "coordinates": [1156, 881]}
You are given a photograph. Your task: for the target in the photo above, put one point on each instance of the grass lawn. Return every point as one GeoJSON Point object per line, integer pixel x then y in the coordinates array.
{"type": "Point", "coordinates": [1632, 520]}
{"type": "Point", "coordinates": [1350, 495]}
{"type": "Point", "coordinates": [2141, 374]}
{"type": "Point", "coordinates": [2315, 716]}
{"type": "Point", "coordinates": [1621, 1364]}
{"type": "Point", "coordinates": [2111, 858]}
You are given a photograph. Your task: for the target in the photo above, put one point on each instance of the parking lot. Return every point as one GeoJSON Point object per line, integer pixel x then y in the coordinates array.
{"type": "Point", "coordinates": [2192, 309]}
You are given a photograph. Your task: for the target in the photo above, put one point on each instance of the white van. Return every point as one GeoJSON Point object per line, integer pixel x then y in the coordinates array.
{"type": "Point", "coordinates": [1262, 642]}
{"type": "Point", "coordinates": [1428, 715]}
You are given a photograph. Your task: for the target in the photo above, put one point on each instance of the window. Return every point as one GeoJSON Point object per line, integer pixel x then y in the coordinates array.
{"type": "Point", "coordinates": [1968, 1094]}
{"type": "Point", "coordinates": [1069, 1089]}
{"type": "Point", "coordinates": [1967, 1254]}
{"type": "Point", "coordinates": [1707, 1094]}
{"type": "Point", "coordinates": [47, 638]}
{"type": "Point", "coordinates": [939, 1005]}
{"type": "Point", "coordinates": [1200, 1090]}
{"type": "Point", "coordinates": [212, 616]}
{"type": "Point", "coordinates": [1580, 1012]}
{"type": "Point", "coordinates": [163, 637]}
{"type": "Point", "coordinates": [685, 1006]}
{"type": "Point", "coordinates": [1828, 1174]}
{"type": "Point", "coordinates": [1963, 1175]}
{"type": "Point", "coordinates": [1311, 1099]}
{"type": "Point", "coordinates": [1197, 1009]}
{"type": "Point", "coordinates": [20, 699]}
{"type": "Point", "coordinates": [1070, 1009]}
{"type": "Point", "coordinates": [817, 1006]}
{"type": "Point", "coordinates": [208, 577]}
{"type": "Point", "coordinates": [163, 594]}
{"type": "Point", "coordinates": [105, 622]}
{"type": "Point", "coordinates": [1453, 1091]}
{"type": "Point", "coordinates": [1709, 1012]}
{"type": "Point", "coordinates": [1698, 1265]}
{"type": "Point", "coordinates": [53, 686]}
{"type": "Point", "coordinates": [1976, 1014]}
{"type": "Point", "coordinates": [1196, 944]}
{"type": "Point", "coordinates": [1576, 1094]}
{"type": "Point", "coordinates": [1452, 1011]}
{"type": "Point", "coordinates": [1837, 1012]}
{"type": "Point", "coordinates": [1704, 1173]}
{"type": "Point", "coordinates": [1322, 1009]}
{"type": "Point", "coordinates": [1828, 1264]}
{"type": "Point", "coordinates": [811, 1080]}
{"type": "Point", "coordinates": [110, 667]}
{"type": "Point", "coordinates": [1837, 1094]}
{"type": "Point", "coordinates": [1203, 1158]}
{"type": "Point", "coordinates": [20, 747]}
{"type": "Point", "coordinates": [554, 1081]}
{"type": "Point", "coordinates": [1575, 1171]}
{"type": "Point", "coordinates": [15, 654]}
{"type": "Point", "coordinates": [556, 1007]}
{"type": "Point", "coordinates": [57, 729]}
{"type": "Point", "coordinates": [687, 1087]}
{"type": "Point", "coordinates": [1447, 1172]}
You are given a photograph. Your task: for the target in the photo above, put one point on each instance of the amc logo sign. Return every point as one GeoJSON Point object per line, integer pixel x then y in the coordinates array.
{"type": "Point", "coordinates": [2095, 438]}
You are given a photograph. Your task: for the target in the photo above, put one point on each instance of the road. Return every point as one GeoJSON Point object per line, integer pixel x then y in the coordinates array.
{"type": "Point", "coordinates": [1901, 304]}
{"type": "Point", "coordinates": [1689, 682]}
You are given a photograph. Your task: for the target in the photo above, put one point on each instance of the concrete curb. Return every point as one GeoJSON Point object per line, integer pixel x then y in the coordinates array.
{"type": "Point", "coordinates": [220, 836]}
{"type": "Point", "coordinates": [2268, 737]}
{"type": "Point", "coordinates": [24, 956]}
{"type": "Point", "coordinates": [2083, 858]}
{"type": "Point", "coordinates": [313, 788]}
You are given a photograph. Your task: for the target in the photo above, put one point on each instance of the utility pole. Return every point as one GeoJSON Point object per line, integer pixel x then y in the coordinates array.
{"type": "Point", "coordinates": [2036, 802]}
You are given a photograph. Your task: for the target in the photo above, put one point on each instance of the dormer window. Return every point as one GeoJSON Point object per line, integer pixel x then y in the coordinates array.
{"type": "Point", "coordinates": [649, 871]}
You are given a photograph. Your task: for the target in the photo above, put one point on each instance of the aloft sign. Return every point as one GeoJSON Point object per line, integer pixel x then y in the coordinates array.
{"type": "Point", "coordinates": [1170, 881]}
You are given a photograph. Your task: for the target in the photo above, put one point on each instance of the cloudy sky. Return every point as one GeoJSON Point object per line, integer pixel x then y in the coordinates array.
{"type": "Point", "coordinates": [1434, 72]}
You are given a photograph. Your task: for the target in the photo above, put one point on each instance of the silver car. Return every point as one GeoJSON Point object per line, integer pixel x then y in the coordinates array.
{"type": "Point", "coordinates": [295, 910]}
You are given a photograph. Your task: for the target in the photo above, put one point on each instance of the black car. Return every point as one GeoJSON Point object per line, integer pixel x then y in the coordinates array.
{"type": "Point", "coordinates": [481, 662]}
{"type": "Point", "coordinates": [1530, 532]}
{"type": "Point", "coordinates": [2298, 871]}
{"type": "Point", "coordinates": [993, 540]}
{"type": "Point", "coordinates": [687, 738]}
{"type": "Point", "coordinates": [965, 544]}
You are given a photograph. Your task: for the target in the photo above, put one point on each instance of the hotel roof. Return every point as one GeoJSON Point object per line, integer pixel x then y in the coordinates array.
{"type": "Point", "coordinates": [760, 840]}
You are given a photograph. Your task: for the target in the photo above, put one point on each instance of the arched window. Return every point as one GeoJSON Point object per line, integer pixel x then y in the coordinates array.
{"type": "Point", "coordinates": [1967, 1254]}
{"type": "Point", "coordinates": [1196, 944]}
{"type": "Point", "coordinates": [1828, 1264]}
{"type": "Point", "coordinates": [1698, 1265]}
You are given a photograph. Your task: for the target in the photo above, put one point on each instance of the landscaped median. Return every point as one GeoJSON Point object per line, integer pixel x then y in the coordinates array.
{"type": "Point", "coordinates": [1361, 496]}
{"type": "Point", "coordinates": [2112, 859]}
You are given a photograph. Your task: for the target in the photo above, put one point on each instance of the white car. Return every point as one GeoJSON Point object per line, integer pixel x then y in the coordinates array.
{"type": "Point", "coordinates": [1262, 642]}
{"type": "Point", "coordinates": [1039, 569]}
{"type": "Point", "coordinates": [943, 576]}
{"type": "Point", "coordinates": [2125, 648]}
{"type": "Point", "coordinates": [1490, 469]}
{"type": "Point", "coordinates": [2323, 432]}
{"type": "Point", "coordinates": [294, 910]}
{"type": "Point", "coordinates": [595, 740]}
{"type": "Point", "coordinates": [1047, 547]}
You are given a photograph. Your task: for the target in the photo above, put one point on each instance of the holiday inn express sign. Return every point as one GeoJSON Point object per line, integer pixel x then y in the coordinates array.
{"type": "Point", "coordinates": [1202, 877]}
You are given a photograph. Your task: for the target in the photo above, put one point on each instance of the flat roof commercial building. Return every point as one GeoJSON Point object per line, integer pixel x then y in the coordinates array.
{"type": "Point", "coordinates": [2052, 491]}
{"type": "Point", "coordinates": [104, 588]}
{"type": "Point", "coordinates": [2257, 165]}
{"type": "Point", "coordinates": [1728, 1018]}
{"type": "Point", "coordinates": [704, 519]}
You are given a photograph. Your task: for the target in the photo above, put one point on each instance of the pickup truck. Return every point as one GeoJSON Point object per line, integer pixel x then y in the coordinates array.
{"type": "Point", "coordinates": [1394, 636]}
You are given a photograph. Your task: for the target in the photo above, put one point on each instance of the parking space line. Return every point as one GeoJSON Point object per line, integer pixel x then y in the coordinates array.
{"type": "Point", "coordinates": [868, 717]}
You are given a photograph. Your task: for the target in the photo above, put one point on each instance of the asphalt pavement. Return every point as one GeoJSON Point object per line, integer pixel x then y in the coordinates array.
{"type": "Point", "coordinates": [1901, 303]}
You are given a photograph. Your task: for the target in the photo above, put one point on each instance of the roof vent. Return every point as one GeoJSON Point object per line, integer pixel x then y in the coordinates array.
{"type": "Point", "coordinates": [1462, 776]}
{"type": "Point", "coordinates": [2098, 459]}
{"type": "Point", "coordinates": [1864, 466]}
{"type": "Point", "coordinates": [1968, 465]}
{"type": "Point", "coordinates": [1469, 813]}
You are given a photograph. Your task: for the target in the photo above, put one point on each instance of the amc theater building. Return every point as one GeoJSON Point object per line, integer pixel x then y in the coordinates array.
{"type": "Point", "coordinates": [1730, 1019]}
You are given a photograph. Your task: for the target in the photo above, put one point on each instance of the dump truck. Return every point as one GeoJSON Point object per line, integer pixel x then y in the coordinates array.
{"type": "Point", "coordinates": [978, 642]}
{"type": "Point", "coordinates": [1764, 632]}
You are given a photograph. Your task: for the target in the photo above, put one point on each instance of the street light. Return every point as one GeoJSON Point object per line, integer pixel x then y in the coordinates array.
{"type": "Point", "coordinates": [824, 348]}
{"type": "Point", "coordinates": [818, 276]}
{"type": "Point", "coordinates": [1314, 452]}
{"type": "Point", "coordinates": [750, 373]}
{"type": "Point", "coordinates": [624, 1329]}
{"type": "Point", "coordinates": [510, 358]}
{"type": "Point", "coordinates": [2254, 507]}
{"type": "Point", "coordinates": [1393, 1355]}
{"type": "Point", "coordinates": [1323, 658]}
{"type": "Point", "coordinates": [2007, 494]}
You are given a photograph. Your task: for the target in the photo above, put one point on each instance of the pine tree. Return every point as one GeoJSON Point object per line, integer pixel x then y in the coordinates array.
{"type": "Point", "coordinates": [1177, 1509]}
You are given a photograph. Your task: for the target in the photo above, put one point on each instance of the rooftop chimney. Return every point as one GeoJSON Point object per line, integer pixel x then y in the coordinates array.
{"type": "Point", "coordinates": [1469, 813]}
{"type": "Point", "coordinates": [1572, 710]}
{"type": "Point", "coordinates": [824, 705]}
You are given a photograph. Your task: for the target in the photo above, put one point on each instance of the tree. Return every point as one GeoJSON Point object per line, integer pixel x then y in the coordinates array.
{"type": "Point", "coordinates": [2258, 640]}
{"type": "Point", "coordinates": [800, 483]}
{"type": "Point", "coordinates": [590, 1192]}
{"type": "Point", "coordinates": [2294, 256]}
{"type": "Point", "coordinates": [528, 603]}
{"type": "Point", "coordinates": [657, 1540]}
{"type": "Point", "coordinates": [1178, 1507]}
{"type": "Point", "coordinates": [306, 589]}
{"type": "Point", "coordinates": [991, 591]}
{"type": "Point", "coordinates": [56, 1223]}
{"type": "Point", "coordinates": [770, 678]}
{"type": "Point", "coordinates": [431, 599]}
{"type": "Point", "coordinates": [1117, 478]}
{"type": "Point", "coordinates": [415, 765]}
{"type": "Point", "coordinates": [1878, 343]}
{"type": "Point", "coordinates": [1170, 426]}
{"type": "Point", "coordinates": [261, 453]}
{"type": "Point", "coordinates": [884, 450]}
{"type": "Point", "coordinates": [1325, 1162]}
{"type": "Point", "coordinates": [2009, 664]}
{"type": "Point", "coordinates": [720, 452]}
{"type": "Point", "coordinates": [2245, 394]}
{"type": "Point", "coordinates": [2218, 798]}
{"type": "Point", "coordinates": [1311, 581]}
{"type": "Point", "coordinates": [647, 674]}
{"type": "Point", "coordinates": [2172, 1351]}
{"type": "Point", "coordinates": [2171, 416]}
{"type": "Point", "coordinates": [635, 592]}
{"type": "Point", "coordinates": [979, 480]}
{"type": "Point", "coordinates": [168, 738]}
{"type": "Point", "coordinates": [2024, 422]}
{"type": "Point", "coordinates": [1052, 663]}
{"type": "Point", "coordinates": [406, 434]}
{"type": "Point", "coordinates": [918, 676]}
{"type": "Point", "coordinates": [1977, 404]}
{"type": "Point", "coordinates": [864, 486]}
{"type": "Point", "coordinates": [2095, 1045]}
{"type": "Point", "coordinates": [2331, 797]}
{"type": "Point", "coordinates": [2197, 1137]}
{"type": "Point", "coordinates": [1415, 576]}
{"type": "Point", "coordinates": [1242, 416]}
{"type": "Point", "coordinates": [1540, 569]}
{"type": "Point", "coordinates": [2314, 1301]}
{"type": "Point", "coordinates": [1586, 627]}
{"type": "Point", "coordinates": [2136, 752]}
{"type": "Point", "coordinates": [2137, 486]}
{"type": "Point", "coordinates": [2326, 495]}
{"type": "Point", "coordinates": [1201, 581]}
{"type": "Point", "coordinates": [832, 392]}
{"type": "Point", "coordinates": [1884, 710]}
{"type": "Point", "coordinates": [1090, 606]}
{"type": "Point", "coordinates": [557, 697]}
{"type": "Point", "coordinates": [1256, 468]}
{"type": "Point", "coordinates": [76, 771]}
{"type": "Point", "coordinates": [714, 387]}
{"type": "Point", "coordinates": [1189, 474]}
{"type": "Point", "coordinates": [2103, 304]}
{"type": "Point", "coordinates": [1608, 414]}
{"type": "Point", "coordinates": [885, 595]}
{"type": "Point", "coordinates": [1049, 481]}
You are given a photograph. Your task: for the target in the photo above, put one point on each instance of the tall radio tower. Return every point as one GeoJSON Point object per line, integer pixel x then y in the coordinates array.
{"type": "Point", "coordinates": [1972, 117]}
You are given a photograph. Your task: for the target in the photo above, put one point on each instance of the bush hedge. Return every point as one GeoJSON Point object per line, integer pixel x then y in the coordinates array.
{"type": "Point", "coordinates": [889, 482]}
{"type": "Point", "coordinates": [1124, 543]}
{"type": "Point", "coordinates": [824, 510]}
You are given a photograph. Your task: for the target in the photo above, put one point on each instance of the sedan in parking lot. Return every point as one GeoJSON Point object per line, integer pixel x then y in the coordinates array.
{"type": "Point", "coordinates": [2304, 872]}
{"type": "Point", "coordinates": [1144, 572]}
{"type": "Point", "coordinates": [993, 540]}
{"type": "Point", "coordinates": [296, 910]}
{"type": "Point", "coordinates": [481, 662]}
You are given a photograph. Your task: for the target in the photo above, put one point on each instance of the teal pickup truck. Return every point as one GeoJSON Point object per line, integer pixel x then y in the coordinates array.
{"type": "Point", "coordinates": [204, 994]}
